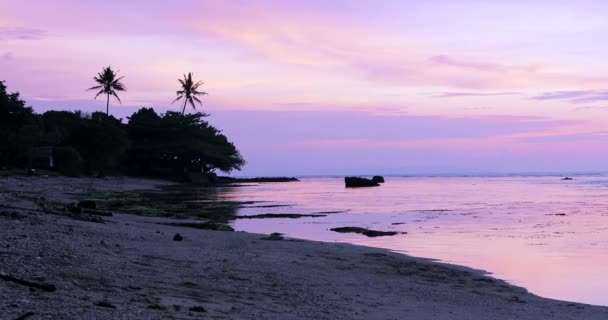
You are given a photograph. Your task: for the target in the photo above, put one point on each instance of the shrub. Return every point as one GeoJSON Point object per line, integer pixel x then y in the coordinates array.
{"type": "Point", "coordinates": [68, 161]}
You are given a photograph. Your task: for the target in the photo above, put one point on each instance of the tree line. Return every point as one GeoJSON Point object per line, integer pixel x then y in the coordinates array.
{"type": "Point", "coordinates": [148, 144]}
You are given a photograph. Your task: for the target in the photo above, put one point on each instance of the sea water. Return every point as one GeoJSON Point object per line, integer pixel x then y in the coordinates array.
{"type": "Point", "coordinates": [539, 232]}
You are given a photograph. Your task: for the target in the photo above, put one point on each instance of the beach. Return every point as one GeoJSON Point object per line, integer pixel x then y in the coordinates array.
{"type": "Point", "coordinates": [129, 267]}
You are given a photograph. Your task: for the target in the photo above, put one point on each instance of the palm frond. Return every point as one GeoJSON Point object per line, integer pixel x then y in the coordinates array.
{"type": "Point", "coordinates": [99, 93]}
{"type": "Point", "coordinates": [115, 96]}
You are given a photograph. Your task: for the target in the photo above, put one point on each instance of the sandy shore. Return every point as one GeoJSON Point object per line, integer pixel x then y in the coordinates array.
{"type": "Point", "coordinates": [130, 268]}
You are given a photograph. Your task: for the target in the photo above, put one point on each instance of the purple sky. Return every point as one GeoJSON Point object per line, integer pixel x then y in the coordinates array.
{"type": "Point", "coordinates": [336, 87]}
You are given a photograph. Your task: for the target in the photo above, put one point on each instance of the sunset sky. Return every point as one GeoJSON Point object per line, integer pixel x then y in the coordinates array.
{"type": "Point", "coordinates": [339, 87]}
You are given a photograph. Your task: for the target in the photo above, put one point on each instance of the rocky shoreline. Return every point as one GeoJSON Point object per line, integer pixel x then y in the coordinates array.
{"type": "Point", "coordinates": [127, 266]}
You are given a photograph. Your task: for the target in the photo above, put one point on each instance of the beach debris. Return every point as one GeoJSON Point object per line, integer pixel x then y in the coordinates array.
{"type": "Point", "coordinates": [25, 316]}
{"type": "Point", "coordinates": [87, 204]}
{"type": "Point", "coordinates": [357, 182]}
{"type": "Point", "coordinates": [274, 236]}
{"type": "Point", "coordinates": [105, 304]}
{"type": "Point", "coordinates": [42, 286]}
{"type": "Point", "coordinates": [378, 179]}
{"type": "Point", "coordinates": [365, 232]}
{"type": "Point", "coordinates": [178, 237]}
{"type": "Point", "coordinates": [198, 309]}
{"type": "Point", "coordinates": [280, 215]}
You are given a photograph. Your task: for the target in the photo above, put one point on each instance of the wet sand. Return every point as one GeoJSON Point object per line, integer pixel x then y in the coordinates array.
{"type": "Point", "coordinates": [130, 268]}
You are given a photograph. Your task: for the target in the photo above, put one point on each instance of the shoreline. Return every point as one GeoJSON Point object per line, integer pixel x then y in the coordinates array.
{"type": "Point", "coordinates": [132, 263]}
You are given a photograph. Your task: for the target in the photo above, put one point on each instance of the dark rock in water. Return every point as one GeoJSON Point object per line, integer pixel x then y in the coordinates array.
{"type": "Point", "coordinates": [378, 179]}
{"type": "Point", "coordinates": [356, 182]}
{"type": "Point", "coordinates": [365, 232]}
{"type": "Point", "coordinates": [87, 204]}
{"type": "Point", "coordinates": [348, 229]}
{"type": "Point", "coordinates": [280, 215]}
{"type": "Point", "coordinates": [567, 178]}
{"type": "Point", "coordinates": [178, 237]}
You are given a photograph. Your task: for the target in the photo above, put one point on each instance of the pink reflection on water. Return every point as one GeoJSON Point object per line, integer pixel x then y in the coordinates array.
{"type": "Point", "coordinates": [547, 235]}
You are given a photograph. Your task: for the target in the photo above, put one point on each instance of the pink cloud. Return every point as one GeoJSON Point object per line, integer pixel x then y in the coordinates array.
{"type": "Point", "coordinates": [21, 33]}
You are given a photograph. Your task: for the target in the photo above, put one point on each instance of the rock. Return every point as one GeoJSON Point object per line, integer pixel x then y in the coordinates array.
{"type": "Point", "coordinates": [378, 179]}
{"type": "Point", "coordinates": [198, 309]}
{"type": "Point", "coordinates": [178, 237]}
{"type": "Point", "coordinates": [356, 182]}
{"type": "Point", "coordinates": [87, 204]}
{"type": "Point", "coordinates": [365, 232]}
{"type": "Point", "coordinates": [105, 304]}
{"type": "Point", "coordinates": [567, 178]}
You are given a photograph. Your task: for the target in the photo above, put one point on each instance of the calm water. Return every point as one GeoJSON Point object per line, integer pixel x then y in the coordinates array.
{"type": "Point", "coordinates": [547, 235]}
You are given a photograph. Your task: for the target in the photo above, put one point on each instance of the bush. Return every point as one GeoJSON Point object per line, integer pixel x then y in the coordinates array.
{"type": "Point", "coordinates": [68, 161]}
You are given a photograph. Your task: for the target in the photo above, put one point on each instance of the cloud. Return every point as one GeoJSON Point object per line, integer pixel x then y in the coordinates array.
{"type": "Point", "coordinates": [20, 33]}
{"type": "Point", "coordinates": [7, 56]}
{"type": "Point", "coordinates": [587, 108]}
{"type": "Point", "coordinates": [473, 94]}
{"type": "Point", "coordinates": [574, 96]}
{"type": "Point", "coordinates": [482, 66]}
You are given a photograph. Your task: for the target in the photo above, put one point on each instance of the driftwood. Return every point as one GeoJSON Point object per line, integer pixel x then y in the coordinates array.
{"type": "Point", "coordinates": [42, 286]}
{"type": "Point", "coordinates": [26, 315]}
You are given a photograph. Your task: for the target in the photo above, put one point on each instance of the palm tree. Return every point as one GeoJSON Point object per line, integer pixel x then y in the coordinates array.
{"type": "Point", "coordinates": [189, 91]}
{"type": "Point", "coordinates": [109, 84]}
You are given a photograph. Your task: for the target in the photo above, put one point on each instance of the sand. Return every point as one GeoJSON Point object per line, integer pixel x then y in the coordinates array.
{"type": "Point", "coordinates": [131, 268]}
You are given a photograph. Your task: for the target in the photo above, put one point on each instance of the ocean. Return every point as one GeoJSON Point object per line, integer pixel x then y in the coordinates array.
{"type": "Point", "coordinates": [539, 232]}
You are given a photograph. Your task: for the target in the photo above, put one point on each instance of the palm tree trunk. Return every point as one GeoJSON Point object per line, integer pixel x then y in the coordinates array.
{"type": "Point", "coordinates": [184, 107]}
{"type": "Point", "coordinates": [108, 104]}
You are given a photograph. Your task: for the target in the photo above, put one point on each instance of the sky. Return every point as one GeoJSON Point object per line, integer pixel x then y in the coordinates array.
{"type": "Point", "coordinates": [339, 87]}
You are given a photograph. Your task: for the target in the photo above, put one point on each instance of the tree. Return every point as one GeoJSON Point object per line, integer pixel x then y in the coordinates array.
{"type": "Point", "coordinates": [20, 128]}
{"type": "Point", "coordinates": [174, 144]}
{"type": "Point", "coordinates": [101, 141]}
{"type": "Point", "coordinates": [189, 92]}
{"type": "Point", "coordinates": [109, 84]}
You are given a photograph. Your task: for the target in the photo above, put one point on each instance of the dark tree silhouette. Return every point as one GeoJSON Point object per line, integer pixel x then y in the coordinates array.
{"type": "Point", "coordinates": [109, 84]}
{"type": "Point", "coordinates": [189, 92]}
